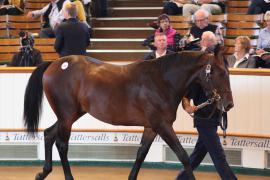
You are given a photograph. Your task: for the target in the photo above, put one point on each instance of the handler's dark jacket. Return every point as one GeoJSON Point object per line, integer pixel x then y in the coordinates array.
{"type": "Point", "coordinates": [198, 95]}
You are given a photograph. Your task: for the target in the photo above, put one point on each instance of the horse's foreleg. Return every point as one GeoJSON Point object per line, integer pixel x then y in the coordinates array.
{"type": "Point", "coordinates": [62, 146]}
{"type": "Point", "coordinates": [49, 139]}
{"type": "Point", "coordinates": [146, 141]}
{"type": "Point", "coordinates": [168, 135]}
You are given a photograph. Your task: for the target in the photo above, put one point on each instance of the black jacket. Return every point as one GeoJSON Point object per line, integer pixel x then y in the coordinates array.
{"type": "Point", "coordinates": [72, 38]}
{"type": "Point", "coordinates": [208, 116]}
{"type": "Point", "coordinates": [152, 55]}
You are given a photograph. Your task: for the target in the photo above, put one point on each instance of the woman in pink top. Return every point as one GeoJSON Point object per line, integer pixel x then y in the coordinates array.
{"type": "Point", "coordinates": [173, 37]}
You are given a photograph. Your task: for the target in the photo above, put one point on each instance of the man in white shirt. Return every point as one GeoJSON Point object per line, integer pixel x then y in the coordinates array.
{"type": "Point", "coordinates": [160, 42]}
{"type": "Point", "coordinates": [51, 17]}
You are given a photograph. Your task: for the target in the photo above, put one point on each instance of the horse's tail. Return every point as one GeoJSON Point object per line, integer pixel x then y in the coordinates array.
{"type": "Point", "coordinates": [33, 98]}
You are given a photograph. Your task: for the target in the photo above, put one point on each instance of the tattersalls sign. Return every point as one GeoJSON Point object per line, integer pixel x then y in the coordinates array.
{"type": "Point", "coordinates": [132, 138]}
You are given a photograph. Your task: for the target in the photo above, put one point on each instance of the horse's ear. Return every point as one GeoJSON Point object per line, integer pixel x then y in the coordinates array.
{"type": "Point", "coordinates": [220, 50]}
{"type": "Point", "coordinates": [217, 49]}
{"type": "Point", "coordinates": [219, 54]}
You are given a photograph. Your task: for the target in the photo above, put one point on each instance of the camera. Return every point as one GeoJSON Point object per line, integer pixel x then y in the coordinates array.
{"type": "Point", "coordinates": [26, 40]}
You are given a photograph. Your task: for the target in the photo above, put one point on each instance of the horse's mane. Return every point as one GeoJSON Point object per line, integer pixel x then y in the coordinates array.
{"type": "Point", "coordinates": [184, 57]}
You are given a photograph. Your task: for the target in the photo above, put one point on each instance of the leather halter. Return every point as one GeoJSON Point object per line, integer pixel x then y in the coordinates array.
{"type": "Point", "coordinates": [215, 98]}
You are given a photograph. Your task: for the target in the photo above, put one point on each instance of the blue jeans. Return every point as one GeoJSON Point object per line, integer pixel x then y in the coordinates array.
{"type": "Point", "coordinates": [208, 141]}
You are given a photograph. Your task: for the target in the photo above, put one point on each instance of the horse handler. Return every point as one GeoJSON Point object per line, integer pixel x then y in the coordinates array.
{"type": "Point", "coordinates": [206, 120]}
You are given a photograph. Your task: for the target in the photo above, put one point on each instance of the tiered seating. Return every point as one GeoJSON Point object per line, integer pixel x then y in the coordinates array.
{"type": "Point", "coordinates": [181, 23]}
{"type": "Point", "coordinates": [233, 24]}
{"type": "Point", "coordinates": [32, 5]}
{"type": "Point", "coordinates": [238, 7]}
{"type": "Point", "coordinates": [21, 23]}
{"type": "Point", "coordinates": [219, 20]}
{"type": "Point", "coordinates": [10, 46]}
{"type": "Point", "coordinates": [11, 25]}
{"type": "Point", "coordinates": [3, 26]}
{"type": "Point", "coordinates": [242, 24]}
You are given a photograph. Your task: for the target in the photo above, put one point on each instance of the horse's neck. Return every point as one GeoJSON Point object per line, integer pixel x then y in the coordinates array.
{"type": "Point", "coordinates": [182, 71]}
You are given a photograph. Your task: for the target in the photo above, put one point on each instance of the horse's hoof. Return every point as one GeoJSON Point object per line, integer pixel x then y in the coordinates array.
{"type": "Point", "coordinates": [39, 177]}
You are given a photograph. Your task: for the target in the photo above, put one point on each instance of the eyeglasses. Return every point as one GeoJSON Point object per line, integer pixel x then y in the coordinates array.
{"type": "Point", "coordinates": [200, 20]}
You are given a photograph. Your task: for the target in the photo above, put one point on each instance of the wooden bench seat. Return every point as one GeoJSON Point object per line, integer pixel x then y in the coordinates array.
{"type": "Point", "coordinates": [237, 7]}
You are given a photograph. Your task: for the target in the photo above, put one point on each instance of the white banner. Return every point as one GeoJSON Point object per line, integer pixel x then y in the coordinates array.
{"type": "Point", "coordinates": [133, 138]}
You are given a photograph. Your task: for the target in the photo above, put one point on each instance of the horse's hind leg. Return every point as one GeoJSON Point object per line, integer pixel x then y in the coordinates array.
{"type": "Point", "coordinates": [147, 139]}
{"type": "Point", "coordinates": [168, 135]}
{"type": "Point", "coordinates": [49, 139]}
{"type": "Point", "coordinates": [63, 135]}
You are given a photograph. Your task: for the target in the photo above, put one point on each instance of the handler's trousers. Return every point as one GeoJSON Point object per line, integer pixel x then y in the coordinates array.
{"type": "Point", "coordinates": [208, 141]}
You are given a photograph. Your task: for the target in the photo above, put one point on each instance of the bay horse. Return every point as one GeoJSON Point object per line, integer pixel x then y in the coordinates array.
{"type": "Point", "coordinates": [145, 93]}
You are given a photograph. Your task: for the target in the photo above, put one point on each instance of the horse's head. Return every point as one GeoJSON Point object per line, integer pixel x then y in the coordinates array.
{"type": "Point", "coordinates": [215, 80]}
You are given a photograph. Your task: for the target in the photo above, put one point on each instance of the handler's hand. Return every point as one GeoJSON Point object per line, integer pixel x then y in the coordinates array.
{"type": "Point", "coordinates": [191, 109]}
{"type": "Point", "coordinates": [30, 15]}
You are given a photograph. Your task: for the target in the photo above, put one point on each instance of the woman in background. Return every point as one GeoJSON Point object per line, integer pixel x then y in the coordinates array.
{"type": "Point", "coordinates": [241, 57]}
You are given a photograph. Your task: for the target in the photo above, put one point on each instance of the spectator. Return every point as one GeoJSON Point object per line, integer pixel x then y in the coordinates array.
{"type": "Point", "coordinates": [208, 42]}
{"type": "Point", "coordinates": [263, 45]}
{"type": "Point", "coordinates": [206, 121]}
{"type": "Point", "coordinates": [241, 57]}
{"type": "Point", "coordinates": [160, 42]}
{"type": "Point", "coordinates": [28, 55]}
{"type": "Point", "coordinates": [201, 25]}
{"type": "Point", "coordinates": [212, 6]}
{"type": "Point", "coordinates": [258, 6]}
{"type": "Point", "coordinates": [264, 36]}
{"type": "Point", "coordinates": [14, 7]}
{"type": "Point", "coordinates": [51, 17]}
{"type": "Point", "coordinates": [173, 37]}
{"type": "Point", "coordinates": [72, 36]}
{"type": "Point", "coordinates": [174, 7]}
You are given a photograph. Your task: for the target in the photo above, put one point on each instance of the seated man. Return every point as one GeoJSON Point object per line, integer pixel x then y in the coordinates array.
{"type": "Point", "coordinates": [263, 45]}
{"type": "Point", "coordinates": [160, 43]}
{"type": "Point", "coordinates": [201, 25]}
{"type": "Point", "coordinates": [28, 55]}
{"type": "Point", "coordinates": [208, 42]}
{"type": "Point", "coordinates": [51, 17]}
{"type": "Point", "coordinates": [11, 7]}
{"type": "Point", "coordinates": [212, 6]}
